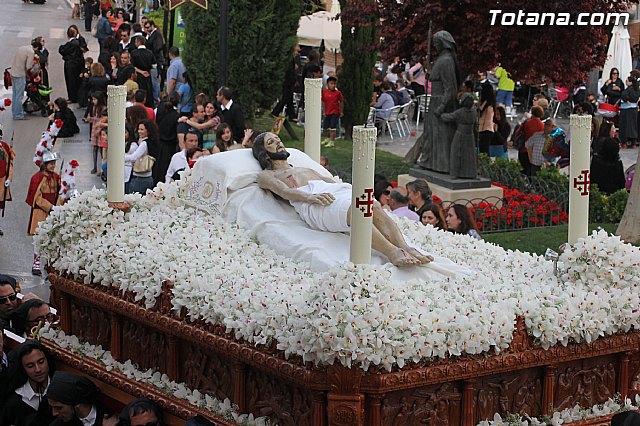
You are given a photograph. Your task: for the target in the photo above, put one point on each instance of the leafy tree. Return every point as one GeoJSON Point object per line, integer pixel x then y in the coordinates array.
{"type": "Point", "coordinates": [358, 54]}
{"type": "Point", "coordinates": [562, 54]}
{"type": "Point", "coordinates": [261, 38]}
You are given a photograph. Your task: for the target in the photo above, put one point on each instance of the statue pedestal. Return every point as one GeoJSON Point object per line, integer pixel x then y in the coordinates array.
{"type": "Point", "coordinates": [465, 190]}
{"type": "Point", "coordinates": [446, 181]}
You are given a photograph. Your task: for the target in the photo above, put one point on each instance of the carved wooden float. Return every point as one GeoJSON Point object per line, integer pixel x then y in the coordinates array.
{"type": "Point", "coordinates": [458, 391]}
{"type": "Point", "coordinates": [118, 390]}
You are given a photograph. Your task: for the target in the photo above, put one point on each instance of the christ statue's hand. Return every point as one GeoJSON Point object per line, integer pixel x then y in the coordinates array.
{"type": "Point", "coordinates": [323, 199]}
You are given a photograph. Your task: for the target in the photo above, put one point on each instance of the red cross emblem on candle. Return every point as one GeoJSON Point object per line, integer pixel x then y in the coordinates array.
{"type": "Point", "coordinates": [582, 180]}
{"type": "Point", "coordinates": [365, 202]}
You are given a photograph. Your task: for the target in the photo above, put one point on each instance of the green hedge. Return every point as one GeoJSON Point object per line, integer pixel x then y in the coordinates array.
{"type": "Point", "coordinates": [606, 208]}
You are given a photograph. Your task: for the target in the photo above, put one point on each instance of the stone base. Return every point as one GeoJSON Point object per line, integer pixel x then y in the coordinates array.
{"type": "Point", "coordinates": [443, 179]}
{"type": "Point", "coordinates": [492, 194]}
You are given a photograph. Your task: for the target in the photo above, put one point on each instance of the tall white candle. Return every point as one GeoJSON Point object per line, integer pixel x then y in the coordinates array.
{"type": "Point", "coordinates": [579, 177]}
{"type": "Point", "coordinates": [362, 198]}
{"type": "Point", "coordinates": [312, 117]}
{"type": "Point", "coordinates": [117, 104]}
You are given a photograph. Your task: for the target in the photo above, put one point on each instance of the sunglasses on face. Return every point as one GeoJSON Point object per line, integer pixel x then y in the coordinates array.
{"type": "Point", "coordinates": [10, 298]}
{"type": "Point", "coordinates": [48, 318]}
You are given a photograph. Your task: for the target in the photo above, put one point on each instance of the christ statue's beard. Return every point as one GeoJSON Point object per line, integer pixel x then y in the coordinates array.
{"type": "Point", "coordinates": [279, 155]}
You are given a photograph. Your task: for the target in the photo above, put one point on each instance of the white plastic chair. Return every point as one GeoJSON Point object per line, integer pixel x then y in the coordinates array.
{"type": "Point", "coordinates": [423, 106]}
{"type": "Point", "coordinates": [391, 119]}
{"type": "Point", "coordinates": [403, 118]}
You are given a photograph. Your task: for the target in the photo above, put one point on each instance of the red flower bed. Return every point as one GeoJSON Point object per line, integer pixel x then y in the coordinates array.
{"type": "Point", "coordinates": [518, 210]}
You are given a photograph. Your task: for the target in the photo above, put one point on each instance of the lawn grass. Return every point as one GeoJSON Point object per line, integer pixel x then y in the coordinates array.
{"type": "Point", "coordinates": [340, 156]}
{"type": "Point", "coordinates": [539, 239]}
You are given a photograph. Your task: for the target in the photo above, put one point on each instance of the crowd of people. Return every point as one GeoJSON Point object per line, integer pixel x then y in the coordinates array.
{"type": "Point", "coordinates": [541, 143]}
{"type": "Point", "coordinates": [164, 113]}
{"type": "Point", "coordinates": [34, 393]}
{"type": "Point", "coordinates": [415, 202]}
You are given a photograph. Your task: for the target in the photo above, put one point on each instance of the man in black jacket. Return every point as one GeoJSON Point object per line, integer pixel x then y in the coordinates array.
{"type": "Point", "coordinates": [143, 61]}
{"type": "Point", "coordinates": [155, 43]}
{"type": "Point", "coordinates": [73, 62]}
{"type": "Point", "coordinates": [231, 113]}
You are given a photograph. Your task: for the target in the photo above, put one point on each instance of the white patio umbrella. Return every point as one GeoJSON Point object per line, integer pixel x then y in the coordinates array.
{"type": "Point", "coordinates": [319, 26]}
{"type": "Point", "coordinates": [618, 55]}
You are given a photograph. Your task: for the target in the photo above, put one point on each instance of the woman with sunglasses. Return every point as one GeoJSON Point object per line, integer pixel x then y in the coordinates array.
{"type": "Point", "coordinates": [613, 87]}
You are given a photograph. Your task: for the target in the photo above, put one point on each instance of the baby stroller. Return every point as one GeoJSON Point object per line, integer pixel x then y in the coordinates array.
{"type": "Point", "coordinates": [37, 96]}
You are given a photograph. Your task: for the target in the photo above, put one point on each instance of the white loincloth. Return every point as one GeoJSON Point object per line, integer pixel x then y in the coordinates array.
{"type": "Point", "coordinates": [331, 218]}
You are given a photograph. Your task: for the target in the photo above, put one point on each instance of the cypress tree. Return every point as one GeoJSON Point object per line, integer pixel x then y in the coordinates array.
{"type": "Point", "coordinates": [359, 29]}
{"type": "Point", "coordinates": [261, 38]}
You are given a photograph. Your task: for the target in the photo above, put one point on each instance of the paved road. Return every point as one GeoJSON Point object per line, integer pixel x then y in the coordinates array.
{"type": "Point", "coordinates": [19, 23]}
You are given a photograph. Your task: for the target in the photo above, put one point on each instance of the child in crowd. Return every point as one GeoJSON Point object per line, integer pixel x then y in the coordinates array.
{"type": "Point", "coordinates": [224, 138]}
{"type": "Point", "coordinates": [187, 96]}
{"type": "Point", "coordinates": [85, 73]}
{"type": "Point", "coordinates": [333, 103]}
{"type": "Point", "coordinates": [99, 120]}
{"type": "Point", "coordinates": [193, 154]}
{"type": "Point", "coordinates": [62, 112]}
{"type": "Point", "coordinates": [42, 196]}
{"type": "Point", "coordinates": [103, 143]}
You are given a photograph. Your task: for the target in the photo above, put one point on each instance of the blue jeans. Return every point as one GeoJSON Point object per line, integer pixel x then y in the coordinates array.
{"type": "Point", "coordinates": [140, 184]}
{"type": "Point", "coordinates": [155, 83]}
{"type": "Point", "coordinates": [17, 96]}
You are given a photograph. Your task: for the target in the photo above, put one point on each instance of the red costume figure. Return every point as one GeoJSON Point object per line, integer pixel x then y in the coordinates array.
{"type": "Point", "coordinates": [6, 173]}
{"type": "Point", "coordinates": [43, 195]}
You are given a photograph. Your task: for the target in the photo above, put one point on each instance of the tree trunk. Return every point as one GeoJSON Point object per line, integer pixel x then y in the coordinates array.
{"type": "Point", "coordinates": [629, 226]}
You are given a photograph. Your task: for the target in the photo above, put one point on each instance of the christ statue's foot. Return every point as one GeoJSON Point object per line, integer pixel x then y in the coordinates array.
{"type": "Point", "coordinates": [400, 257]}
{"type": "Point", "coordinates": [423, 259]}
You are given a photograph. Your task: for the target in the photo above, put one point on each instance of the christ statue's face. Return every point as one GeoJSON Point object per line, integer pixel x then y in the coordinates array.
{"type": "Point", "coordinates": [274, 147]}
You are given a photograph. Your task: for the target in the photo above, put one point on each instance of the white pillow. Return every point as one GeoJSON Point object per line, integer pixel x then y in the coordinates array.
{"type": "Point", "coordinates": [214, 175]}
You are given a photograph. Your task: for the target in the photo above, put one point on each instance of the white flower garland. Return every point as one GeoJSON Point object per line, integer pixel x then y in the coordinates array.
{"type": "Point", "coordinates": [351, 313]}
{"type": "Point", "coordinates": [566, 416]}
{"type": "Point", "coordinates": [224, 409]}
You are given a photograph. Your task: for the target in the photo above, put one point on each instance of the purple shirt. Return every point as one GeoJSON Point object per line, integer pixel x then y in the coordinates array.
{"type": "Point", "coordinates": [405, 212]}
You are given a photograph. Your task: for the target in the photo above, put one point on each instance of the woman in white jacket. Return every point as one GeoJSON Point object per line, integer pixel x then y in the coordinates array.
{"type": "Point", "coordinates": [147, 145]}
{"type": "Point", "coordinates": [129, 148]}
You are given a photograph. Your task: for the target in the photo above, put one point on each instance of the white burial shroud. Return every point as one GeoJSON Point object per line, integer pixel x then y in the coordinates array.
{"type": "Point", "coordinates": [226, 183]}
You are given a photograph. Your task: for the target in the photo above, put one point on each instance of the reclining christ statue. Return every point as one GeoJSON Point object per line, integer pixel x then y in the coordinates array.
{"type": "Point", "coordinates": [324, 204]}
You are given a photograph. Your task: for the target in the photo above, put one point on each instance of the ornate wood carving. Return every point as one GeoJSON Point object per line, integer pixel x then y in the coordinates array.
{"type": "Point", "coordinates": [168, 403]}
{"type": "Point", "coordinates": [521, 340]}
{"type": "Point", "coordinates": [585, 383]}
{"type": "Point", "coordinates": [116, 337]}
{"type": "Point", "coordinates": [623, 377]}
{"type": "Point", "coordinates": [373, 415]}
{"type": "Point", "coordinates": [468, 403]}
{"type": "Point", "coordinates": [319, 409]}
{"type": "Point", "coordinates": [91, 324]}
{"type": "Point", "coordinates": [289, 391]}
{"type": "Point", "coordinates": [548, 389]}
{"type": "Point", "coordinates": [438, 405]}
{"type": "Point", "coordinates": [144, 346]}
{"type": "Point", "coordinates": [284, 404]}
{"type": "Point", "coordinates": [207, 372]}
{"type": "Point", "coordinates": [634, 372]}
{"type": "Point", "coordinates": [519, 392]}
